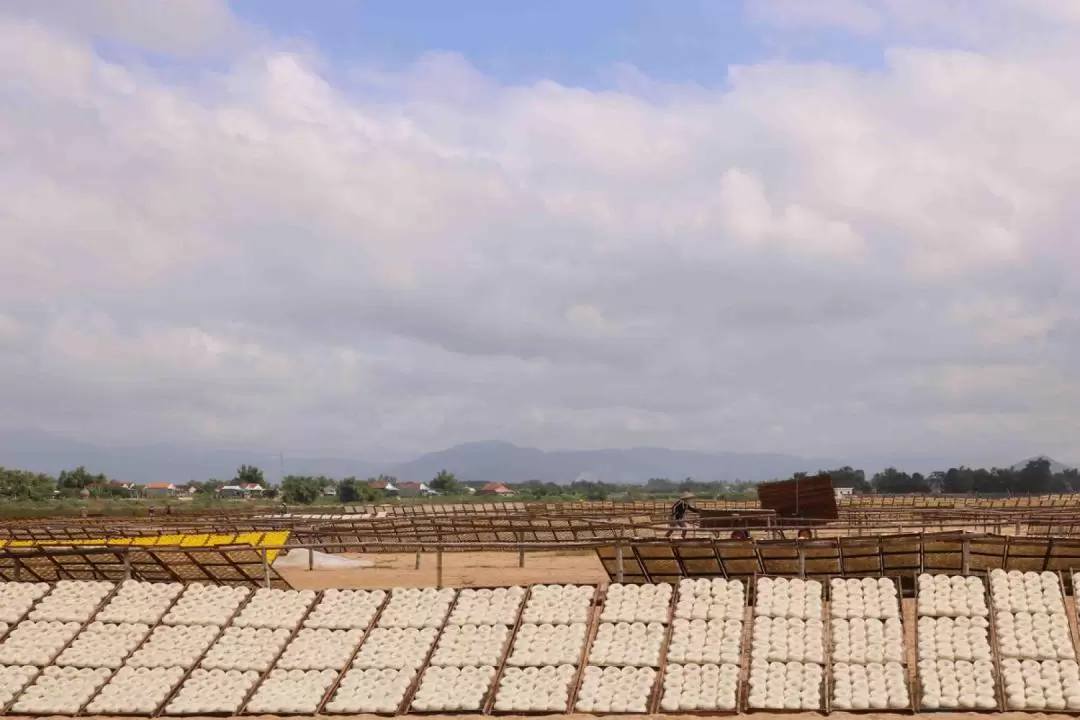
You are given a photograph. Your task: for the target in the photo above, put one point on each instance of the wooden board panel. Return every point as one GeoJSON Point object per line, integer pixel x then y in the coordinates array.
{"type": "Point", "coordinates": [809, 497]}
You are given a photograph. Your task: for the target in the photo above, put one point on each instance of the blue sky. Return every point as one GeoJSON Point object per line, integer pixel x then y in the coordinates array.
{"type": "Point", "coordinates": [569, 41]}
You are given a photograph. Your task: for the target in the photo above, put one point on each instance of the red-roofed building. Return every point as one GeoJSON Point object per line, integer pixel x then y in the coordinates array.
{"type": "Point", "coordinates": [382, 485]}
{"type": "Point", "coordinates": [496, 489]}
{"type": "Point", "coordinates": [414, 489]}
{"type": "Point", "coordinates": [159, 489]}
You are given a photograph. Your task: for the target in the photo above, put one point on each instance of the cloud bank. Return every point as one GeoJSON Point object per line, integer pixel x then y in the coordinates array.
{"type": "Point", "coordinates": [240, 245]}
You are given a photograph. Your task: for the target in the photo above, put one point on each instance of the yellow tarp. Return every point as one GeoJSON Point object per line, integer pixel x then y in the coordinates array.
{"type": "Point", "coordinates": [188, 540]}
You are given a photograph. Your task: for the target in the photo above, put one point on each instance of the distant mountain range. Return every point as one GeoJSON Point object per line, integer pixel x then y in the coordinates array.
{"type": "Point", "coordinates": [1055, 466]}
{"type": "Point", "coordinates": [479, 461]}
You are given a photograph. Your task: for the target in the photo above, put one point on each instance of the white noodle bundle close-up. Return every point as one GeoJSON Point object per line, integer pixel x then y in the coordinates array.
{"type": "Point", "coordinates": [71, 601]}
{"type": "Point", "coordinates": [715, 642]}
{"type": "Point", "coordinates": [874, 686]}
{"type": "Point", "coordinates": [396, 648]}
{"type": "Point", "coordinates": [345, 609]}
{"type": "Point", "coordinates": [320, 649]}
{"type": "Point", "coordinates": [16, 599]}
{"type": "Point", "coordinates": [788, 640]}
{"type": "Point", "coordinates": [959, 684]}
{"type": "Point", "coordinates": [868, 640]}
{"type": "Point", "coordinates": [103, 645]}
{"type": "Point", "coordinates": [206, 605]}
{"type": "Point", "coordinates": [637, 603]}
{"type": "Point", "coordinates": [558, 604]}
{"type": "Point", "coordinates": [416, 608]}
{"type": "Point", "coordinates": [212, 691]}
{"type": "Point", "coordinates": [292, 692]}
{"type": "Point", "coordinates": [13, 678]}
{"type": "Point", "coordinates": [470, 645]}
{"type": "Point", "coordinates": [245, 648]}
{"type": "Point", "coordinates": [139, 602]}
{"type": "Point", "coordinates": [865, 598]}
{"type": "Point", "coordinates": [1050, 685]}
{"type": "Point", "coordinates": [535, 689]}
{"type": "Point", "coordinates": [273, 608]}
{"type": "Point", "coordinates": [627, 644]}
{"type": "Point", "coordinates": [788, 598]}
{"type": "Point", "coordinates": [174, 646]}
{"type": "Point", "coordinates": [453, 689]}
{"type": "Point", "coordinates": [696, 687]}
{"type": "Point", "coordinates": [711, 599]}
{"type": "Point", "coordinates": [951, 596]}
{"type": "Point", "coordinates": [785, 686]}
{"type": "Point", "coordinates": [371, 690]}
{"type": "Point", "coordinates": [536, 645]}
{"type": "Point", "coordinates": [948, 638]}
{"type": "Point", "coordinates": [136, 690]}
{"type": "Point", "coordinates": [60, 690]}
{"type": "Point", "coordinates": [485, 606]}
{"type": "Point", "coordinates": [616, 690]}
{"type": "Point", "coordinates": [35, 642]}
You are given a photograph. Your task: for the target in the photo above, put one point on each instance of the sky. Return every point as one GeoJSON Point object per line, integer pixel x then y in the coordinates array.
{"type": "Point", "coordinates": [377, 228]}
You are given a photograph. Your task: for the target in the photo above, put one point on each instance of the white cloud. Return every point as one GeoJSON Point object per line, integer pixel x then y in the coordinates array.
{"type": "Point", "coordinates": [820, 260]}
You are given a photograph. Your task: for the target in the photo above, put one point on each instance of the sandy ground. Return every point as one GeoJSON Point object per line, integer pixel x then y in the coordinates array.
{"type": "Point", "coordinates": [476, 569]}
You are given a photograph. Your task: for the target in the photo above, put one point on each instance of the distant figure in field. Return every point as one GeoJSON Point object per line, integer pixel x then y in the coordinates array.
{"type": "Point", "coordinates": [678, 514]}
{"type": "Point", "coordinates": [150, 511]}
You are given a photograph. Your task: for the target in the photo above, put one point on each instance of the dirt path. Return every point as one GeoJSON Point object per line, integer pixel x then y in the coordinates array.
{"type": "Point", "coordinates": [479, 569]}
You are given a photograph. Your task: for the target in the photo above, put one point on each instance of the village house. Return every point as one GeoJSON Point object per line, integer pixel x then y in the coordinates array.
{"type": "Point", "coordinates": [241, 490]}
{"type": "Point", "coordinates": [496, 489]}
{"type": "Point", "coordinates": [386, 487]}
{"type": "Point", "coordinates": [414, 489]}
{"type": "Point", "coordinates": [159, 489]}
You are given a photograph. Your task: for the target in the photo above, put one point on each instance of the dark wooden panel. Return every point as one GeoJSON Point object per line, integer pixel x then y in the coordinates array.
{"type": "Point", "coordinates": [808, 497]}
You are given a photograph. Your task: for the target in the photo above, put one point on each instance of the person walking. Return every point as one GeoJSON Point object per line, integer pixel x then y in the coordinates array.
{"type": "Point", "coordinates": [678, 514]}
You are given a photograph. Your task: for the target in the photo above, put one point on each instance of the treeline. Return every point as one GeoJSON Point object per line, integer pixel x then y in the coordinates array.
{"type": "Point", "coordinates": [22, 485]}
{"type": "Point", "coordinates": [25, 485]}
{"type": "Point", "coordinates": [1036, 477]}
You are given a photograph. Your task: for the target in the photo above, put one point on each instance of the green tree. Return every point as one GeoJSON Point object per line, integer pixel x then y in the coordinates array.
{"type": "Point", "coordinates": [24, 485]}
{"type": "Point", "coordinates": [300, 489]}
{"type": "Point", "coordinates": [249, 474]}
{"type": "Point", "coordinates": [849, 477]}
{"type": "Point", "coordinates": [891, 480]}
{"type": "Point", "coordinates": [1035, 477]}
{"type": "Point", "coordinates": [446, 483]}
{"type": "Point", "coordinates": [209, 487]}
{"type": "Point", "coordinates": [536, 489]}
{"type": "Point", "coordinates": [351, 490]}
{"type": "Point", "coordinates": [661, 486]}
{"type": "Point", "coordinates": [591, 490]}
{"type": "Point", "coordinates": [78, 479]}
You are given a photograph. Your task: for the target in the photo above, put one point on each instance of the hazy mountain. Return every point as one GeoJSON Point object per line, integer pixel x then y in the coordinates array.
{"type": "Point", "coordinates": [491, 461]}
{"type": "Point", "coordinates": [1055, 466]}
{"type": "Point", "coordinates": [480, 461]}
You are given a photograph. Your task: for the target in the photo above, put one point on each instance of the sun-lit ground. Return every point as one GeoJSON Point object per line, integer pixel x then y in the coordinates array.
{"type": "Point", "coordinates": [466, 569]}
